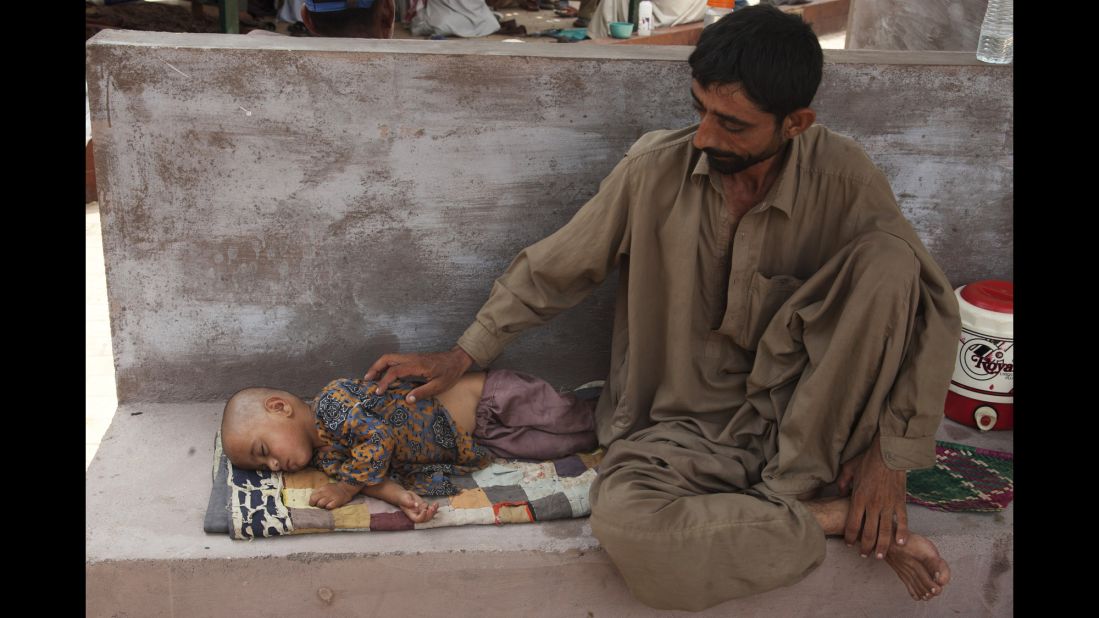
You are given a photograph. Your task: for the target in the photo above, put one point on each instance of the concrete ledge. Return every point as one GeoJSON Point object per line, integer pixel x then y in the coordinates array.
{"type": "Point", "coordinates": [350, 47]}
{"type": "Point", "coordinates": [166, 451]}
{"type": "Point", "coordinates": [147, 554]}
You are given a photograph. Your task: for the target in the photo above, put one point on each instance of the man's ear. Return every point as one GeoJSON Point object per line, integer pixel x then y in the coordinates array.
{"type": "Point", "coordinates": [278, 405]}
{"type": "Point", "coordinates": [797, 122]}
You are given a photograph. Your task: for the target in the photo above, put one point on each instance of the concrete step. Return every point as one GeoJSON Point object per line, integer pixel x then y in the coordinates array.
{"type": "Point", "coordinates": [147, 554]}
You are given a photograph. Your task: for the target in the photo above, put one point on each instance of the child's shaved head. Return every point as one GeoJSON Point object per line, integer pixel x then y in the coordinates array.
{"type": "Point", "coordinates": [244, 409]}
{"type": "Point", "coordinates": [268, 428]}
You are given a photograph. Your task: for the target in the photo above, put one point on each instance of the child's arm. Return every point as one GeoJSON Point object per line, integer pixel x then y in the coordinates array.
{"type": "Point", "coordinates": [333, 495]}
{"type": "Point", "coordinates": [417, 509]}
{"type": "Point", "coordinates": [363, 465]}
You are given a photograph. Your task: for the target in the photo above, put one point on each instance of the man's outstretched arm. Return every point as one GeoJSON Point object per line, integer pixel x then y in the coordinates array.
{"type": "Point", "coordinates": [543, 280]}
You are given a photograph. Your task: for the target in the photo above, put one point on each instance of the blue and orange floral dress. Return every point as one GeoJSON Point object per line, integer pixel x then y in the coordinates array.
{"type": "Point", "coordinates": [373, 437]}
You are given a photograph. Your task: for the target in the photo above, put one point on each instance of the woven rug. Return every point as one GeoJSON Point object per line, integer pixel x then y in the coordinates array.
{"type": "Point", "coordinates": [965, 478]}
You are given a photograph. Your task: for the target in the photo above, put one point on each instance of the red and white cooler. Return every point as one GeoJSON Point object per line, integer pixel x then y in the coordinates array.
{"type": "Point", "coordinates": [982, 390]}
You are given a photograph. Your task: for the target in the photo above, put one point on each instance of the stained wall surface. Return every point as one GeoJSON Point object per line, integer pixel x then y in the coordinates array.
{"type": "Point", "coordinates": [282, 211]}
{"type": "Point", "coordinates": [931, 25]}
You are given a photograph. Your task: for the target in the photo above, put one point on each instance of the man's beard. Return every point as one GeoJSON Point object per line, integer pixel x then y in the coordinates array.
{"type": "Point", "coordinates": [730, 163]}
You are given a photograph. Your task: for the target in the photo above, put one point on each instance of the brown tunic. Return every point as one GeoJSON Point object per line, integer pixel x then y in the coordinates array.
{"type": "Point", "coordinates": [693, 300]}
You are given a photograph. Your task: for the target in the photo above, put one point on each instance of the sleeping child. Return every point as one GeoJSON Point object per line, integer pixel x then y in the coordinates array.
{"type": "Point", "coordinates": [387, 448]}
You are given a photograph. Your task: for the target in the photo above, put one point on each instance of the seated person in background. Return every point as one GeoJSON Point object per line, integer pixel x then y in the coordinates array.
{"type": "Point", "coordinates": [530, 5]}
{"type": "Point", "coordinates": [445, 18]}
{"type": "Point", "coordinates": [388, 447]}
{"type": "Point", "coordinates": [583, 15]}
{"type": "Point", "coordinates": [364, 19]}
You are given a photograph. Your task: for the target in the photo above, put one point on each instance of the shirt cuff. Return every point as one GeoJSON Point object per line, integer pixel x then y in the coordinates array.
{"type": "Point", "coordinates": [900, 453]}
{"type": "Point", "coordinates": [480, 344]}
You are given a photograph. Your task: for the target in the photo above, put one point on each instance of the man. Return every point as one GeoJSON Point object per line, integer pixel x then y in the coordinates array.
{"type": "Point", "coordinates": [779, 327]}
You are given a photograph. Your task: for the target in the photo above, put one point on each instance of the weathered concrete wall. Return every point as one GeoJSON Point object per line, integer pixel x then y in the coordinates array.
{"type": "Point", "coordinates": [939, 25]}
{"type": "Point", "coordinates": [281, 211]}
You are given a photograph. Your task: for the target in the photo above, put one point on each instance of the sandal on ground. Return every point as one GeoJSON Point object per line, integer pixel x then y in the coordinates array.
{"type": "Point", "coordinates": [580, 23]}
{"type": "Point", "coordinates": [298, 29]}
{"type": "Point", "coordinates": [509, 27]}
{"type": "Point", "coordinates": [569, 12]}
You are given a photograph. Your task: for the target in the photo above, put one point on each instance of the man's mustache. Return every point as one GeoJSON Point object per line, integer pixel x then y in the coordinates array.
{"type": "Point", "coordinates": [720, 154]}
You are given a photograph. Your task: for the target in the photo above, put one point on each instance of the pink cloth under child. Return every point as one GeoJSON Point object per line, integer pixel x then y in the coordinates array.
{"type": "Point", "coordinates": [522, 417]}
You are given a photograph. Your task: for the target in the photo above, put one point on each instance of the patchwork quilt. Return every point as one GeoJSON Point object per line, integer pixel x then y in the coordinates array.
{"type": "Point", "coordinates": [252, 504]}
{"type": "Point", "coordinates": [249, 504]}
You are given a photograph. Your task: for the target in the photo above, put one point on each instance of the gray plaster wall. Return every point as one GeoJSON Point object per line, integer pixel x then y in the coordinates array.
{"type": "Point", "coordinates": [281, 211]}
{"type": "Point", "coordinates": [939, 25]}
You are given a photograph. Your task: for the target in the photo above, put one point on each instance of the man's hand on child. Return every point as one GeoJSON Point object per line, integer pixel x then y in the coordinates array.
{"type": "Point", "coordinates": [332, 495]}
{"type": "Point", "coordinates": [417, 509]}
{"type": "Point", "coordinates": [441, 369]}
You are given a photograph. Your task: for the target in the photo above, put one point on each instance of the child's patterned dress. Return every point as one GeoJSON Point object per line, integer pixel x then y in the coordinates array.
{"type": "Point", "coordinates": [372, 437]}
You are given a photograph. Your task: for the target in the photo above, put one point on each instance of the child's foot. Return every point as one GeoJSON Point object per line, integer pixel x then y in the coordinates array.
{"type": "Point", "coordinates": [920, 567]}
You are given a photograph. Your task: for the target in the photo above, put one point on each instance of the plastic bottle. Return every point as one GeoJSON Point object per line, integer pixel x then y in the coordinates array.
{"type": "Point", "coordinates": [997, 44]}
{"type": "Point", "coordinates": [644, 18]}
{"type": "Point", "coordinates": [715, 10]}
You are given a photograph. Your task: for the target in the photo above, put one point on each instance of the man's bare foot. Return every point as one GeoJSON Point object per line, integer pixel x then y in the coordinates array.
{"type": "Point", "coordinates": [917, 562]}
{"type": "Point", "coordinates": [920, 567]}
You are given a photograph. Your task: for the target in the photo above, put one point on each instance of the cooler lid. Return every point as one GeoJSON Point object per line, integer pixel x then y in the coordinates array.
{"type": "Point", "coordinates": [998, 296]}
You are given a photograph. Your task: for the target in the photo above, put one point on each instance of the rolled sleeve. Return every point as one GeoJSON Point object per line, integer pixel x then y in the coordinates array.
{"type": "Point", "coordinates": [901, 453]}
{"type": "Point", "coordinates": [908, 424]}
{"type": "Point", "coordinates": [480, 343]}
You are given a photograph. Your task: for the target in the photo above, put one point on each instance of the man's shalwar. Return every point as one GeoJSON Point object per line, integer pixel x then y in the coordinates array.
{"type": "Point", "coordinates": [749, 358]}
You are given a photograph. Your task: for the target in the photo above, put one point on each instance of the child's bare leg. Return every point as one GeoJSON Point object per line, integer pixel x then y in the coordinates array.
{"type": "Point", "coordinates": [917, 562]}
{"type": "Point", "coordinates": [461, 399]}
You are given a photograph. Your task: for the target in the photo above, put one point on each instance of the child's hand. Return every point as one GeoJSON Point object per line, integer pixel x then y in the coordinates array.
{"type": "Point", "coordinates": [417, 509]}
{"type": "Point", "coordinates": [332, 495]}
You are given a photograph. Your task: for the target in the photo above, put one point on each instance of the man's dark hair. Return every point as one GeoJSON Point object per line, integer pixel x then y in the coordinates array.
{"type": "Point", "coordinates": [774, 56]}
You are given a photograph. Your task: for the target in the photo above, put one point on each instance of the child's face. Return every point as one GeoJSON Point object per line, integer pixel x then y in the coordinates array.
{"type": "Point", "coordinates": [275, 443]}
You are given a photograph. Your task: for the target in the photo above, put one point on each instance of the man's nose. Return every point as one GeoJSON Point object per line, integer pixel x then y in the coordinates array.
{"type": "Point", "coordinates": [704, 137]}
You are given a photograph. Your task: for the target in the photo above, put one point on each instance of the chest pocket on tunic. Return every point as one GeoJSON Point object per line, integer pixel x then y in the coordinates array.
{"type": "Point", "coordinates": [766, 295]}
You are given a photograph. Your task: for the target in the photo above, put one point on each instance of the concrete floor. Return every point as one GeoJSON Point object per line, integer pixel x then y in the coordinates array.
{"type": "Point", "coordinates": [152, 558]}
